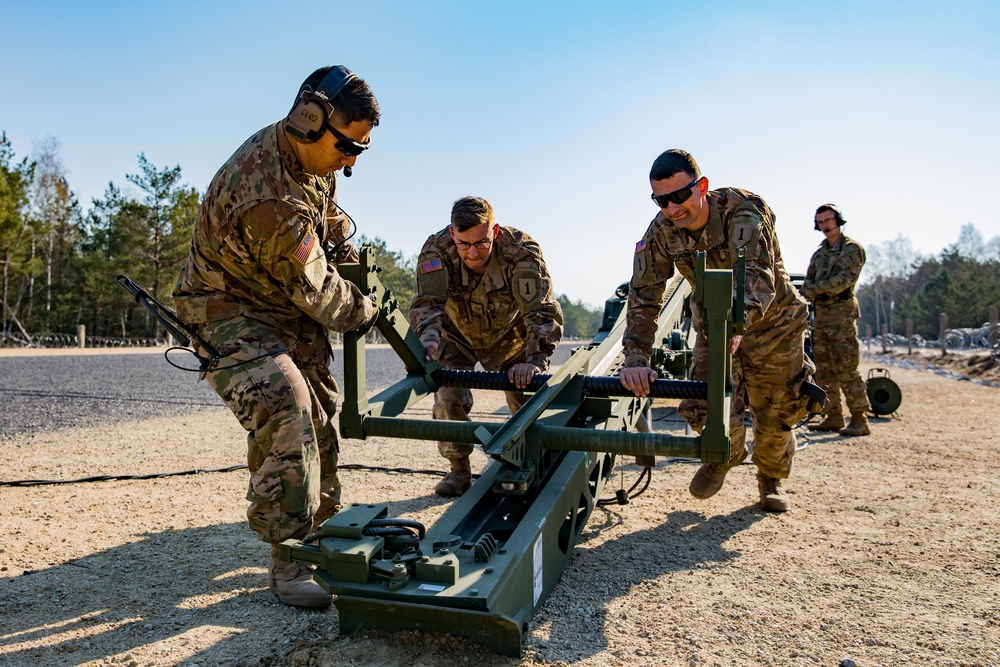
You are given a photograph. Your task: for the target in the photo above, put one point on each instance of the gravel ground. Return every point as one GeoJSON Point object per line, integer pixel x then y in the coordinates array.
{"type": "Point", "coordinates": [889, 556]}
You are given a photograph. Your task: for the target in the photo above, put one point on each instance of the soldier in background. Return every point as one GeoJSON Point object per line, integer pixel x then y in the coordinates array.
{"type": "Point", "coordinates": [483, 295]}
{"type": "Point", "coordinates": [769, 361]}
{"type": "Point", "coordinates": [258, 287]}
{"type": "Point", "coordinates": [833, 272]}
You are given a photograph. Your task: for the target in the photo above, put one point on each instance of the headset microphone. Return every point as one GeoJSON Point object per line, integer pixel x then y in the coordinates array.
{"type": "Point", "coordinates": [347, 172]}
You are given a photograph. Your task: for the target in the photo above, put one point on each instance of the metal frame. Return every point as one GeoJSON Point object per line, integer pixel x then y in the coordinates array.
{"type": "Point", "coordinates": [494, 557]}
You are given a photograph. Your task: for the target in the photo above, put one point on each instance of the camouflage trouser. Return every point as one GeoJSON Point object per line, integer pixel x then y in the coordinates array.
{"type": "Point", "coordinates": [455, 403]}
{"type": "Point", "coordinates": [838, 352]}
{"type": "Point", "coordinates": [286, 401]}
{"type": "Point", "coordinates": [768, 371]}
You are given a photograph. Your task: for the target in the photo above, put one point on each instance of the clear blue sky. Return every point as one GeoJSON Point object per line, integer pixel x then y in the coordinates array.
{"type": "Point", "coordinates": [553, 111]}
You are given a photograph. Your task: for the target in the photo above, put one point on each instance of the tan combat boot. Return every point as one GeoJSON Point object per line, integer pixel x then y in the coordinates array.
{"type": "Point", "coordinates": [711, 476]}
{"type": "Point", "coordinates": [833, 422]}
{"type": "Point", "coordinates": [858, 426]}
{"type": "Point", "coordinates": [772, 497]}
{"type": "Point", "coordinates": [457, 481]}
{"type": "Point", "coordinates": [293, 583]}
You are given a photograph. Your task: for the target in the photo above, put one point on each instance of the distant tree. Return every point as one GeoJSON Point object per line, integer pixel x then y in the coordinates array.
{"type": "Point", "coordinates": [55, 217]}
{"type": "Point", "coordinates": [963, 281]}
{"type": "Point", "coordinates": [163, 247]}
{"type": "Point", "coordinates": [113, 239]}
{"type": "Point", "coordinates": [579, 320]}
{"type": "Point", "coordinates": [15, 233]}
{"type": "Point", "coordinates": [887, 267]}
{"type": "Point", "coordinates": [970, 244]}
{"type": "Point", "coordinates": [398, 271]}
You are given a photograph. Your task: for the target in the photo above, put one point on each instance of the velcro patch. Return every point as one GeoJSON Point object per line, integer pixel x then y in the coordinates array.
{"type": "Point", "coordinates": [432, 265]}
{"type": "Point", "coordinates": [305, 248]}
{"type": "Point", "coordinates": [744, 230]}
{"type": "Point", "coordinates": [528, 286]}
{"type": "Point", "coordinates": [639, 265]}
{"type": "Point", "coordinates": [640, 246]}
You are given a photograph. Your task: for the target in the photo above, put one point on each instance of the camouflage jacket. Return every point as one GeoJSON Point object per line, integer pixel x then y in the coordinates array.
{"type": "Point", "coordinates": [833, 272]}
{"type": "Point", "coordinates": [257, 249]}
{"type": "Point", "coordinates": [737, 218]}
{"type": "Point", "coordinates": [511, 306]}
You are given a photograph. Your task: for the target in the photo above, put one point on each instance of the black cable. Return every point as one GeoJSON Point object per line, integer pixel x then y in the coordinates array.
{"type": "Point", "coordinates": [330, 249]}
{"type": "Point", "coordinates": [76, 394]}
{"type": "Point", "coordinates": [105, 478]}
{"type": "Point", "coordinates": [195, 471]}
{"type": "Point", "coordinates": [645, 475]}
{"type": "Point", "coordinates": [401, 523]}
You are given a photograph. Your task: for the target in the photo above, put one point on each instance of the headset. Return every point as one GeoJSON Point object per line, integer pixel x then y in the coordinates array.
{"type": "Point", "coordinates": [836, 212]}
{"type": "Point", "coordinates": [307, 121]}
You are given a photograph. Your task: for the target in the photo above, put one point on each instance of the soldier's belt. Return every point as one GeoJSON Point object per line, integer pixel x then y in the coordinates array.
{"type": "Point", "coordinates": [832, 298]}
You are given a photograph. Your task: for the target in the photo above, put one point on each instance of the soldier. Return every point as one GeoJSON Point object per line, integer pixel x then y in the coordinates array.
{"type": "Point", "coordinates": [769, 361]}
{"type": "Point", "coordinates": [483, 294]}
{"type": "Point", "coordinates": [833, 272]}
{"type": "Point", "coordinates": [258, 286]}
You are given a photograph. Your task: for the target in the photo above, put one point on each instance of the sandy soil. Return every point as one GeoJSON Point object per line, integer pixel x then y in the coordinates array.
{"type": "Point", "coordinates": [889, 556]}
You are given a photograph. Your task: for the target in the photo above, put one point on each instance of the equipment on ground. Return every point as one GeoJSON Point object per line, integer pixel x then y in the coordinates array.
{"type": "Point", "coordinates": [494, 557]}
{"type": "Point", "coordinates": [884, 395]}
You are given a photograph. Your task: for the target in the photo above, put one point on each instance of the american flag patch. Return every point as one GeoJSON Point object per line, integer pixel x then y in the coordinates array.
{"type": "Point", "coordinates": [640, 246]}
{"type": "Point", "coordinates": [433, 265]}
{"type": "Point", "coordinates": [305, 248]}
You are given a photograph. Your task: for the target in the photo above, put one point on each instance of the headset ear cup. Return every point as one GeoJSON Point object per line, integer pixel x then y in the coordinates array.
{"type": "Point", "coordinates": [307, 120]}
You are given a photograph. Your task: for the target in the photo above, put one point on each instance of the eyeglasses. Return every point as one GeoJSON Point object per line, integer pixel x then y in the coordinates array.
{"type": "Point", "coordinates": [346, 145]}
{"type": "Point", "coordinates": [677, 196]}
{"type": "Point", "coordinates": [481, 244]}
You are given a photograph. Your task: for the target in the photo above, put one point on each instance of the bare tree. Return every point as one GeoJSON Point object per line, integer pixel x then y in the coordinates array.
{"type": "Point", "coordinates": [888, 266]}
{"type": "Point", "coordinates": [52, 210]}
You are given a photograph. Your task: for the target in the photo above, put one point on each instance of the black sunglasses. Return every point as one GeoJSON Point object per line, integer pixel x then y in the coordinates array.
{"type": "Point", "coordinates": [346, 145]}
{"type": "Point", "coordinates": [677, 196]}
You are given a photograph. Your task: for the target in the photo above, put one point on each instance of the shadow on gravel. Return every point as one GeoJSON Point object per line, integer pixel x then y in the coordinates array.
{"type": "Point", "coordinates": [685, 541]}
{"type": "Point", "coordinates": [160, 587]}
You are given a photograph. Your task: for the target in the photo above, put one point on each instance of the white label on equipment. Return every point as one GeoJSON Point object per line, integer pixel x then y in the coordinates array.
{"type": "Point", "coordinates": [537, 557]}
{"type": "Point", "coordinates": [437, 588]}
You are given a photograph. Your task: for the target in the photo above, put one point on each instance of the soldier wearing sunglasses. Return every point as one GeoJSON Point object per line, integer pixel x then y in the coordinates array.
{"type": "Point", "coordinates": [483, 295]}
{"type": "Point", "coordinates": [769, 361]}
{"type": "Point", "coordinates": [258, 287]}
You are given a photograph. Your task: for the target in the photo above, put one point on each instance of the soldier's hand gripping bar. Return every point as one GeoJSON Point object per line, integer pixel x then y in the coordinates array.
{"type": "Point", "coordinates": [595, 385]}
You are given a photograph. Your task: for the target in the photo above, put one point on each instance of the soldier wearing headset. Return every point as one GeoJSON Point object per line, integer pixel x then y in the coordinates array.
{"type": "Point", "coordinates": [261, 286]}
{"type": "Point", "coordinates": [833, 271]}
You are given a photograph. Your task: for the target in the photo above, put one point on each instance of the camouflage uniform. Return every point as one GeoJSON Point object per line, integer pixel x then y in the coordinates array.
{"type": "Point", "coordinates": [258, 287]}
{"type": "Point", "coordinates": [770, 364]}
{"type": "Point", "coordinates": [833, 272]}
{"type": "Point", "coordinates": [504, 317]}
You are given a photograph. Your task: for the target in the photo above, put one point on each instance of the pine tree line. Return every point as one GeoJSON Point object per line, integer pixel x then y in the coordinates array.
{"type": "Point", "coordinates": [59, 263]}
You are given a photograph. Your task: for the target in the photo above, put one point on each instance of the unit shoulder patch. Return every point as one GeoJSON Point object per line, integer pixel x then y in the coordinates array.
{"type": "Point", "coordinates": [744, 230]}
{"type": "Point", "coordinates": [528, 287]}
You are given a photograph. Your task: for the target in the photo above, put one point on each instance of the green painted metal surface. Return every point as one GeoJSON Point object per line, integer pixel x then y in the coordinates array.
{"type": "Point", "coordinates": [493, 558]}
